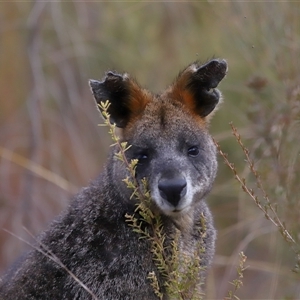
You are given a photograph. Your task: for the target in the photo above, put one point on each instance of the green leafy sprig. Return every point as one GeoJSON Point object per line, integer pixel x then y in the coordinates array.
{"type": "Point", "coordinates": [181, 271]}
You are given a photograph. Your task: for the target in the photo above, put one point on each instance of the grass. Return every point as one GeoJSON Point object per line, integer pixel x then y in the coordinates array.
{"type": "Point", "coordinates": [48, 117]}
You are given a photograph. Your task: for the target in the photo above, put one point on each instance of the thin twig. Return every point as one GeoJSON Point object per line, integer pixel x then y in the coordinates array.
{"type": "Point", "coordinates": [264, 208]}
{"type": "Point", "coordinates": [38, 170]}
{"type": "Point", "coordinates": [260, 186]}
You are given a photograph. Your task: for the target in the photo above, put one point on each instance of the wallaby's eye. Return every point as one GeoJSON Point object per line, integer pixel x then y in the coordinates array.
{"type": "Point", "coordinates": [142, 157]}
{"type": "Point", "coordinates": [193, 151]}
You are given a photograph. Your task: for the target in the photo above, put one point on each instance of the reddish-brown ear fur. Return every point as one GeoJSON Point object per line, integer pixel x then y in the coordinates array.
{"type": "Point", "coordinates": [138, 99]}
{"type": "Point", "coordinates": [127, 99]}
{"type": "Point", "coordinates": [180, 92]}
{"type": "Point", "coordinates": [195, 87]}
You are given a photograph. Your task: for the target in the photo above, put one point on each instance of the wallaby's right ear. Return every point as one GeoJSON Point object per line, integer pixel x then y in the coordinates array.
{"type": "Point", "coordinates": [196, 86]}
{"type": "Point", "coordinates": [127, 99]}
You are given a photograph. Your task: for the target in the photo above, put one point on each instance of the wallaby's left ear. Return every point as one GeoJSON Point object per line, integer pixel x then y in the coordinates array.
{"type": "Point", "coordinates": [196, 86]}
{"type": "Point", "coordinates": [127, 99]}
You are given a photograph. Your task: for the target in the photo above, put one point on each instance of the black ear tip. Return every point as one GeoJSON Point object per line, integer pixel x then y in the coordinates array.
{"type": "Point", "coordinates": [110, 75]}
{"type": "Point", "coordinates": [212, 72]}
{"type": "Point", "coordinates": [223, 65]}
{"type": "Point", "coordinates": [110, 78]}
{"type": "Point", "coordinates": [220, 61]}
{"type": "Point", "coordinates": [94, 83]}
{"type": "Point", "coordinates": [219, 65]}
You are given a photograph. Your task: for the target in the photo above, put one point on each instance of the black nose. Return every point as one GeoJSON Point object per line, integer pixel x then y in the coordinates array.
{"type": "Point", "coordinates": [172, 190]}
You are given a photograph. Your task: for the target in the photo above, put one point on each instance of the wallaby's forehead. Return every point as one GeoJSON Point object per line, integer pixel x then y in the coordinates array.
{"type": "Point", "coordinates": [165, 121]}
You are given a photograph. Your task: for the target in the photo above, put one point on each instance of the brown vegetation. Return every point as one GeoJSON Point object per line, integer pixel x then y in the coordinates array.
{"type": "Point", "coordinates": [50, 146]}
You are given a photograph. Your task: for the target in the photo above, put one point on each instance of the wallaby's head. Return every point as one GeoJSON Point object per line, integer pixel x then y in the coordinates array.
{"type": "Point", "coordinates": [168, 132]}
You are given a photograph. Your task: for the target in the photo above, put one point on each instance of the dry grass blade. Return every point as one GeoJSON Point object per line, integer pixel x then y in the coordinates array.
{"type": "Point", "coordinates": [37, 170]}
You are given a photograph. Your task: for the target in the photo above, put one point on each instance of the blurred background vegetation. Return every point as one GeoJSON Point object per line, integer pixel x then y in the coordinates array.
{"type": "Point", "coordinates": [50, 144]}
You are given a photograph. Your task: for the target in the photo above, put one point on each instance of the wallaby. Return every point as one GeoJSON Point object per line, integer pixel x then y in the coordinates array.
{"type": "Point", "coordinates": [95, 253]}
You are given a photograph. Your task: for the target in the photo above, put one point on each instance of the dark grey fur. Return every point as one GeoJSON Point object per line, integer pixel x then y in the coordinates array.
{"type": "Point", "coordinates": [91, 238]}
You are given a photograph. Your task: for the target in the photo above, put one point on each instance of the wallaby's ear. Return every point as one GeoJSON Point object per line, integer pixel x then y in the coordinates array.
{"type": "Point", "coordinates": [127, 99]}
{"type": "Point", "coordinates": [196, 86]}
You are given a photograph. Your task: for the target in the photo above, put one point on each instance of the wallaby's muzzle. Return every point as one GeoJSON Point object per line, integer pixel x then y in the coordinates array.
{"type": "Point", "coordinates": [172, 189]}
